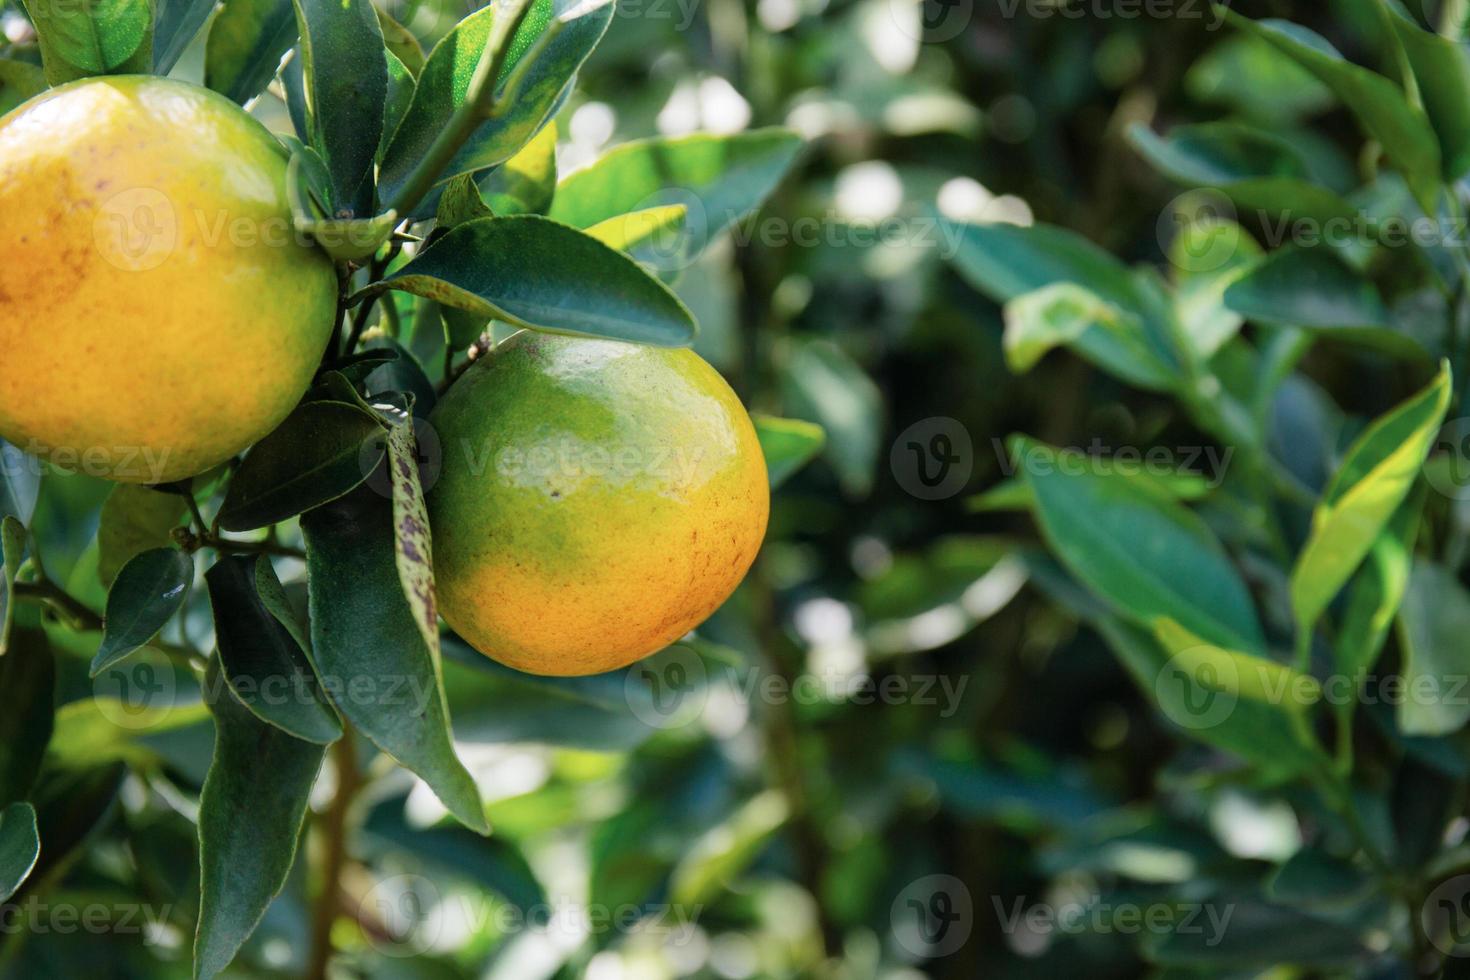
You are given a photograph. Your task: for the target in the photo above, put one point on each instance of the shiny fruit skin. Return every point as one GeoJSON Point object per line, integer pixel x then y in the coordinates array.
{"type": "Point", "coordinates": [158, 314]}
{"type": "Point", "coordinates": [597, 500]}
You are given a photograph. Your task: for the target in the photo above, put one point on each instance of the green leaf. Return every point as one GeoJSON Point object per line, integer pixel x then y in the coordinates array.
{"type": "Point", "coordinates": [531, 272]}
{"type": "Point", "coordinates": [309, 189]}
{"type": "Point", "coordinates": [150, 588]}
{"type": "Point", "coordinates": [1015, 495]}
{"type": "Point", "coordinates": [1312, 878]}
{"type": "Point", "coordinates": [493, 704]}
{"type": "Point", "coordinates": [1375, 476]}
{"type": "Point", "coordinates": [413, 552]}
{"type": "Point", "coordinates": [250, 816]}
{"type": "Point", "coordinates": [19, 81]}
{"type": "Point", "coordinates": [12, 550]}
{"type": "Point", "coordinates": [823, 385]}
{"type": "Point", "coordinates": [627, 232]}
{"type": "Point", "coordinates": [1258, 171]}
{"type": "Point", "coordinates": [1258, 937]}
{"type": "Point", "coordinates": [461, 202]}
{"type": "Point", "coordinates": [1442, 68]}
{"type": "Point", "coordinates": [401, 86]}
{"type": "Point", "coordinates": [262, 658]}
{"type": "Point", "coordinates": [20, 847]}
{"type": "Point", "coordinates": [1309, 288]}
{"type": "Point", "coordinates": [556, 42]}
{"type": "Point", "coordinates": [726, 850]}
{"type": "Point", "coordinates": [526, 183]}
{"type": "Point", "coordinates": [1259, 733]}
{"type": "Point", "coordinates": [1435, 621]}
{"type": "Point", "coordinates": [495, 863]}
{"type": "Point", "coordinates": [719, 180]}
{"type": "Point", "coordinates": [367, 643]}
{"type": "Point", "coordinates": [1382, 108]}
{"type": "Point", "coordinates": [1141, 551]}
{"type": "Point", "coordinates": [247, 41]}
{"type": "Point", "coordinates": [28, 678]}
{"type": "Point", "coordinates": [1378, 589]}
{"type": "Point", "coordinates": [134, 520]}
{"type": "Point", "coordinates": [323, 450]}
{"type": "Point", "coordinates": [175, 24]}
{"type": "Point", "coordinates": [346, 75]}
{"type": "Point", "coordinates": [1006, 262]}
{"type": "Point", "coordinates": [1066, 315]}
{"type": "Point", "coordinates": [1234, 673]}
{"type": "Point", "coordinates": [20, 483]}
{"type": "Point", "coordinates": [787, 444]}
{"type": "Point", "coordinates": [402, 43]}
{"type": "Point", "coordinates": [101, 37]}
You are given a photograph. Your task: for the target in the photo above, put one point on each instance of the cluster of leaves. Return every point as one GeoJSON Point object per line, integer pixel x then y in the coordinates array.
{"type": "Point", "coordinates": [1329, 555]}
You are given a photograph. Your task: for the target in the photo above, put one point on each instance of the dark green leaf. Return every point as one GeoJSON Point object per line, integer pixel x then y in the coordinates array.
{"type": "Point", "coordinates": [250, 816]}
{"type": "Point", "coordinates": [555, 41]}
{"type": "Point", "coordinates": [28, 680]}
{"type": "Point", "coordinates": [264, 663]}
{"type": "Point", "coordinates": [370, 652]}
{"type": "Point", "coordinates": [1308, 287]}
{"type": "Point", "coordinates": [20, 846]}
{"type": "Point", "coordinates": [1380, 105]}
{"type": "Point", "coordinates": [134, 519]}
{"type": "Point", "coordinates": [103, 37]}
{"type": "Point", "coordinates": [1316, 880]}
{"type": "Point", "coordinates": [492, 863]}
{"type": "Point", "coordinates": [346, 75]}
{"type": "Point", "coordinates": [532, 272]}
{"type": "Point", "coordinates": [148, 591]}
{"type": "Point", "coordinates": [1006, 262]}
{"type": "Point", "coordinates": [788, 445]}
{"type": "Point", "coordinates": [246, 43]}
{"type": "Point", "coordinates": [1141, 551]}
{"type": "Point", "coordinates": [322, 451]}
{"type": "Point", "coordinates": [12, 550]}
{"type": "Point", "coordinates": [461, 202]}
{"type": "Point", "coordinates": [175, 23]}
{"type": "Point", "coordinates": [719, 179]}
{"type": "Point", "coordinates": [1442, 67]}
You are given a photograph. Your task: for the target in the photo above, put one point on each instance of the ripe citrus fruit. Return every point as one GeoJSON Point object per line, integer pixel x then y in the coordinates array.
{"type": "Point", "coordinates": [597, 501]}
{"type": "Point", "coordinates": [158, 313]}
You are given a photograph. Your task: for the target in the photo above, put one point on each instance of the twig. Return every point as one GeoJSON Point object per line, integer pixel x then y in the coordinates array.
{"type": "Point", "coordinates": [334, 832]}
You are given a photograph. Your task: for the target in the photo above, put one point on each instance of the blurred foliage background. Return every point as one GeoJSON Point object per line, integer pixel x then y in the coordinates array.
{"type": "Point", "coordinates": [941, 714]}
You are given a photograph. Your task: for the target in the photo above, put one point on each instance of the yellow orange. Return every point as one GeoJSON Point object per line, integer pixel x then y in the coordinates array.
{"type": "Point", "coordinates": [597, 501]}
{"type": "Point", "coordinates": [158, 313]}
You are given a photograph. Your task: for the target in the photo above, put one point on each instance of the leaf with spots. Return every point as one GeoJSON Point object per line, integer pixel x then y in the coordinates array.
{"type": "Point", "coordinates": [412, 548]}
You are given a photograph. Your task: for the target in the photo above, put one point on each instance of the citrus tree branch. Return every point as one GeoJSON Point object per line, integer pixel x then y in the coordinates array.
{"type": "Point", "coordinates": [476, 108]}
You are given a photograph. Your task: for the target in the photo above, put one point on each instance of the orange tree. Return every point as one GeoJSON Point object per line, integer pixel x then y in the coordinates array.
{"type": "Point", "coordinates": [247, 334]}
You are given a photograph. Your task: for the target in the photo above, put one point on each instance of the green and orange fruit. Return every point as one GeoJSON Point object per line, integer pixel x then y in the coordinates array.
{"type": "Point", "coordinates": [597, 500]}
